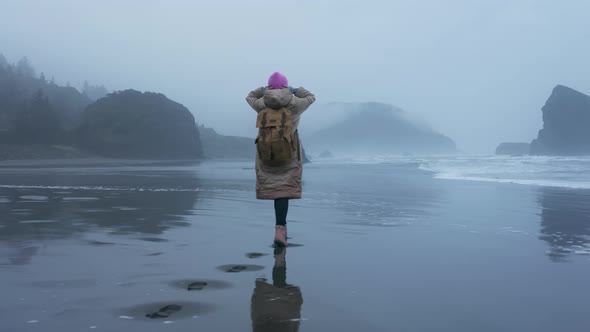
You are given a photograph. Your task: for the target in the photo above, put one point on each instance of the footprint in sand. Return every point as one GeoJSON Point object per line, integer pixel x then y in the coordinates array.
{"type": "Point", "coordinates": [200, 285]}
{"type": "Point", "coordinates": [253, 255]}
{"type": "Point", "coordinates": [162, 310]}
{"type": "Point", "coordinates": [153, 239]}
{"type": "Point", "coordinates": [99, 243]}
{"type": "Point", "coordinates": [240, 268]}
{"type": "Point", "coordinates": [165, 311]}
{"type": "Point", "coordinates": [237, 268]}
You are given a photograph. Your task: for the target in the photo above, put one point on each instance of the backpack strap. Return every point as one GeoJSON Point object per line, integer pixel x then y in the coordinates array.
{"type": "Point", "coordinates": [263, 123]}
{"type": "Point", "coordinates": [283, 122]}
{"type": "Point", "coordinates": [296, 138]}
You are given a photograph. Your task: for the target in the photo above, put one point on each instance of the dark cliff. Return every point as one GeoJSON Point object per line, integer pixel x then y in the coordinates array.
{"type": "Point", "coordinates": [131, 124]}
{"type": "Point", "coordinates": [566, 124]}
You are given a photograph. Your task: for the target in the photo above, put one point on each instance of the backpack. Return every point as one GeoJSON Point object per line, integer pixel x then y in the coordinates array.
{"type": "Point", "coordinates": [275, 141]}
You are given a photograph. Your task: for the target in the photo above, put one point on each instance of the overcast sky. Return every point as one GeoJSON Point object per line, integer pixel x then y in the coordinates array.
{"type": "Point", "coordinates": [477, 71]}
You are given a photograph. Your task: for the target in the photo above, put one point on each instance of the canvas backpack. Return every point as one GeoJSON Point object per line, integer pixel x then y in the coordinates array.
{"type": "Point", "coordinates": [275, 141]}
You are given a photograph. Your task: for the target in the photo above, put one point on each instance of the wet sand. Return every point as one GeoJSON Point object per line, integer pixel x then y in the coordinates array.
{"type": "Point", "coordinates": [375, 247]}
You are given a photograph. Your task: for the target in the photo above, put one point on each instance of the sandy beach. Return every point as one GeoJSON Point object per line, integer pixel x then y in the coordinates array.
{"type": "Point", "coordinates": [122, 246]}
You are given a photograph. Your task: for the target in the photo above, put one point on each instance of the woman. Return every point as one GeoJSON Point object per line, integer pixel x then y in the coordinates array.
{"type": "Point", "coordinates": [280, 182]}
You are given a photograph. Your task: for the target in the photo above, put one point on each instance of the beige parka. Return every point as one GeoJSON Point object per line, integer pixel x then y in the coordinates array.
{"type": "Point", "coordinates": [283, 181]}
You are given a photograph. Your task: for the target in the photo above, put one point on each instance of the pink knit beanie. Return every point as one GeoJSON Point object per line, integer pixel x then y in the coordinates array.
{"type": "Point", "coordinates": [277, 81]}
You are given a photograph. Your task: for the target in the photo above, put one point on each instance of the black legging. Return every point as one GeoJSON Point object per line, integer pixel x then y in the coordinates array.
{"type": "Point", "coordinates": [281, 209]}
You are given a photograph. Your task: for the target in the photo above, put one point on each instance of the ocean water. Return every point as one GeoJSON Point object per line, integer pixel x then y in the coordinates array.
{"type": "Point", "coordinates": [549, 171]}
{"type": "Point", "coordinates": [569, 172]}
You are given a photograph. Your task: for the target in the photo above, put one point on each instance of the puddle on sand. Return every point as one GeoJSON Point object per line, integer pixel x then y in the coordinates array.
{"type": "Point", "coordinates": [36, 221]}
{"type": "Point", "coordinates": [153, 239]}
{"type": "Point", "coordinates": [34, 198]}
{"type": "Point", "coordinates": [79, 199]}
{"type": "Point", "coordinates": [99, 243]}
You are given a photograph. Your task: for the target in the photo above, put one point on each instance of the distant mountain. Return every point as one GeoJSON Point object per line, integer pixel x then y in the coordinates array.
{"type": "Point", "coordinates": [566, 124]}
{"type": "Point", "coordinates": [132, 124]}
{"type": "Point", "coordinates": [216, 146]}
{"type": "Point", "coordinates": [368, 128]}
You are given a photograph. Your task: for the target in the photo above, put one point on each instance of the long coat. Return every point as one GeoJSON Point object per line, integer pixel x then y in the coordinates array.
{"type": "Point", "coordinates": [283, 181]}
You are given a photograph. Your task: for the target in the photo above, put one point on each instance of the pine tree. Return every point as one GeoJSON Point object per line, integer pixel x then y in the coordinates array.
{"type": "Point", "coordinates": [24, 68]}
{"type": "Point", "coordinates": [3, 62]}
{"type": "Point", "coordinates": [94, 92]}
{"type": "Point", "coordinates": [85, 88]}
{"type": "Point", "coordinates": [38, 122]}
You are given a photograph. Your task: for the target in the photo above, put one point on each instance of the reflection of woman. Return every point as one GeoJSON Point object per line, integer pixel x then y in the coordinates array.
{"type": "Point", "coordinates": [276, 307]}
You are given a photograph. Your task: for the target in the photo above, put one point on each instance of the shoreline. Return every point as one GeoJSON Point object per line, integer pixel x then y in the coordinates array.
{"type": "Point", "coordinates": [421, 164]}
{"type": "Point", "coordinates": [13, 152]}
{"type": "Point", "coordinates": [96, 161]}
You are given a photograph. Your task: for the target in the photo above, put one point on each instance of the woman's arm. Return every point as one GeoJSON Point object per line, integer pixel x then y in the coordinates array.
{"type": "Point", "coordinates": [303, 99]}
{"type": "Point", "coordinates": [255, 99]}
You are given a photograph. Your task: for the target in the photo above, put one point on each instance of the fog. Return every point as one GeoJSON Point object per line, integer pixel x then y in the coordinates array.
{"type": "Point", "coordinates": [477, 71]}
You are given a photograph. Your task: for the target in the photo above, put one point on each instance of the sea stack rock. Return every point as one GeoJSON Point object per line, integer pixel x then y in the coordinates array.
{"type": "Point", "coordinates": [136, 125]}
{"type": "Point", "coordinates": [566, 124]}
{"type": "Point", "coordinates": [513, 149]}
